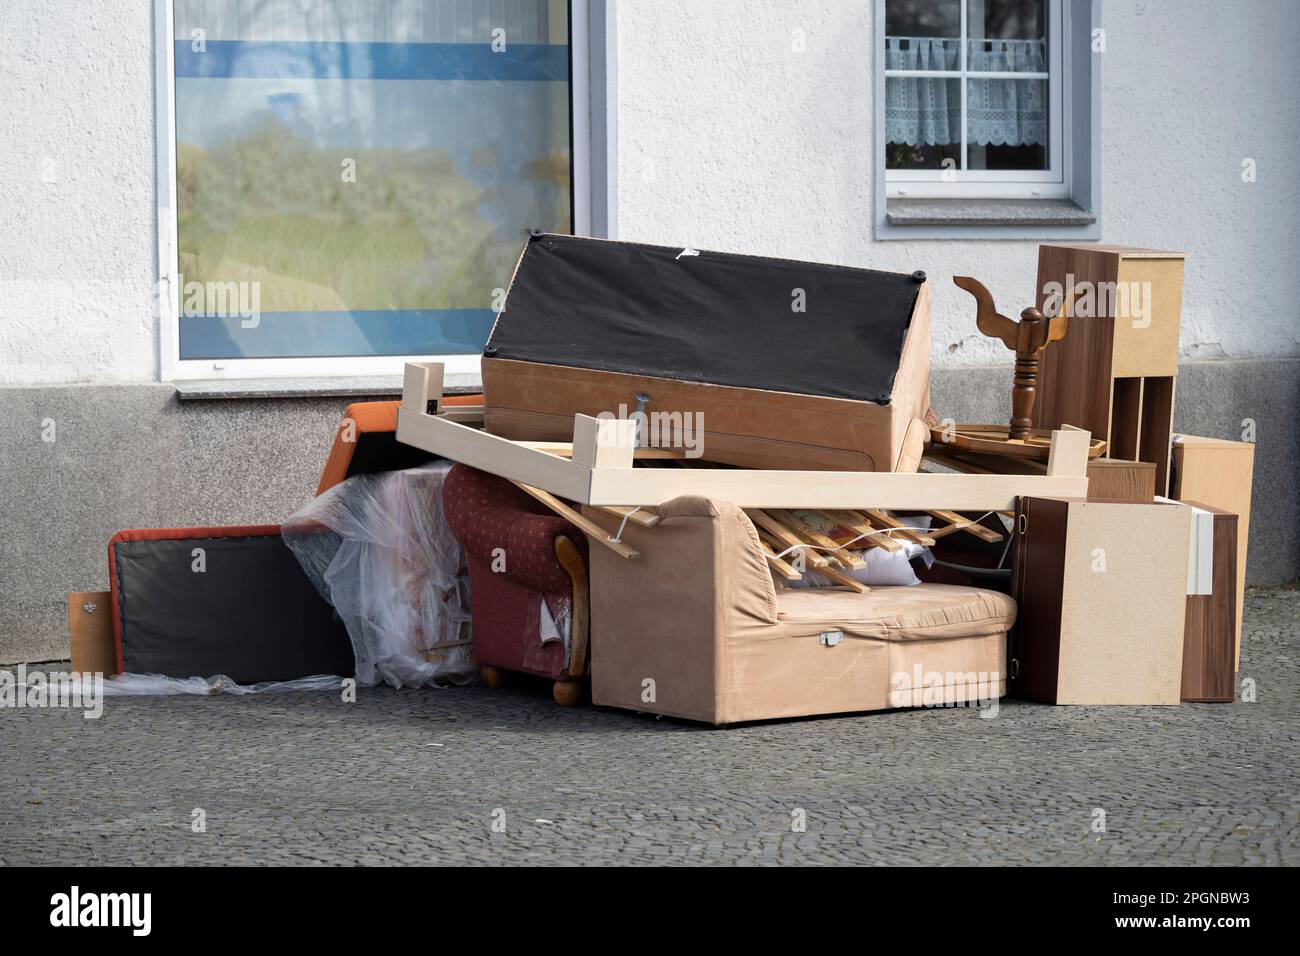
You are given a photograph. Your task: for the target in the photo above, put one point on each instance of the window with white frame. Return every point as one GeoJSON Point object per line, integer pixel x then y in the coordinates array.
{"type": "Point", "coordinates": [352, 180]}
{"type": "Point", "coordinates": [974, 99]}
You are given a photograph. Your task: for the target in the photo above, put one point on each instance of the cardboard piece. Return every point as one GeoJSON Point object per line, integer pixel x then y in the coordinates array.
{"type": "Point", "coordinates": [90, 628]}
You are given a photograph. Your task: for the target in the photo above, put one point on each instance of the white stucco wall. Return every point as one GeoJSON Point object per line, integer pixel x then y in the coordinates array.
{"type": "Point", "coordinates": [728, 140]}
{"type": "Point", "coordinates": [77, 212]}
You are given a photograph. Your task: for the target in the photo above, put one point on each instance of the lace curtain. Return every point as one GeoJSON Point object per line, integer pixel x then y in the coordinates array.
{"type": "Point", "coordinates": [927, 110]}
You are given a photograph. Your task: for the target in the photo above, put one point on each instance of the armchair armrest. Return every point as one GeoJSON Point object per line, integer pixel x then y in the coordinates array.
{"type": "Point", "coordinates": [500, 525]}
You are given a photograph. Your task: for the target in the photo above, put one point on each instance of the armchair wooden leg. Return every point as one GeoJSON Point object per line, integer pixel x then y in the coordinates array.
{"type": "Point", "coordinates": [491, 677]}
{"type": "Point", "coordinates": [567, 693]}
{"type": "Point", "coordinates": [570, 558]}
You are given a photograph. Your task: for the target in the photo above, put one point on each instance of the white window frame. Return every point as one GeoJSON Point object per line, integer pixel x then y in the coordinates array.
{"type": "Point", "coordinates": [593, 138]}
{"type": "Point", "coordinates": [1051, 183]}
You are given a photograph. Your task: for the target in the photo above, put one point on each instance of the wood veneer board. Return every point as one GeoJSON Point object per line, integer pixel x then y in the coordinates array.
{"type": "Point", "coordinates": [1037, 582]}
{"type": "Point", "coordinates": [1110, 479]}
{"type": "Point", "coordinates": [1118, 340]}
{"type": "Point", "coordinates": [1219, 473]}
{"type": "Point", "coordinates": [1125, 417]}
{"type": "Point", "coordinates": [1157, 427]}
{"type": "Point", "coordinates": [1075, 372]}
{"type": "Point", "coordinates": [1209, 640]}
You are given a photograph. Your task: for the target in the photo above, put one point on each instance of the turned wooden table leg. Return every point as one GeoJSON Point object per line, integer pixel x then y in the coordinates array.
{"type": "Point", "coordinates": [491, 677]}
{"type": "Point", "coordinates": [1024, 390]}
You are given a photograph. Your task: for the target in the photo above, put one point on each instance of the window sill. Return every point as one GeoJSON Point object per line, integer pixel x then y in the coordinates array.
{"type": "Point", "coordinates": [358, 387]}
{"type": "Point", "coordinates": [986, 212]}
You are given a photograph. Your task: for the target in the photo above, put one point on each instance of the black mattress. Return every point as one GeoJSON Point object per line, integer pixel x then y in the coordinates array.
{"type": "Point", "coordinates": [252, 615]}
{"type": "Point", "coordinates": [713, 317]}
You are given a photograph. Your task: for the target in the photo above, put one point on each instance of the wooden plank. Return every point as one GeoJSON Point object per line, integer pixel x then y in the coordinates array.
{"type": "Point", "coordinates": [829, 489]}
{"type": "Point", "coordinates": [564, 449]}
{"type": "Point", "coordinates": [592, 530]}
{"type": "Point", "coordinates": [889, 521]}
{"type": "Point", "coordinates": [498, 456]}
{"type": "Point", "coordinates": [1069, 454]}
{"type": "Point", "coordinates": [422, 384]}
{"type": "Point", "coordinates": [957, 523]}
{"type": "Point", "coordinates": [638, 516]}
{"type": "Point", "coordinates": [463, 414]}
{"type": "Point", "coordinates": [782, 568]}
{"type": "Point", "coordinates": [833, 549]}
{"type": "Point", "coordinates": [857, 523]}
{"type": "Point", "coordinates": [782, 538]}
{"type": "Point", "coordinates": [744, 488]}
{"type": "Point", "coordinates": [603, 442]}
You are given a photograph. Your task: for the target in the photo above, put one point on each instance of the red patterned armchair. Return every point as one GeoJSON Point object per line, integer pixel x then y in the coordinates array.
{"type": "Point", "coordinates": [528, 582]}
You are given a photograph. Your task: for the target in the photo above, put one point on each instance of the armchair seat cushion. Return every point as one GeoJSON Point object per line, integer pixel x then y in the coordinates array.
{"type": "Point", "coordinates": [922, 612]}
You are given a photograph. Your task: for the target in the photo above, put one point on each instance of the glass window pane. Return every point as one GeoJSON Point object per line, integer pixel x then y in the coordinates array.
{"type": "Point", "coordinates": [362, 176]}
{"type": "Point", "coordinates": [1006, 124]}
{"type": "Point", "coordinates": [923, 18]}
{"type": "Point", "coordinates": [922, 122]}
{"type": "Point", "coordinates": [922, 35]}
{"type": "Point", "coordinates": [1007, 36]}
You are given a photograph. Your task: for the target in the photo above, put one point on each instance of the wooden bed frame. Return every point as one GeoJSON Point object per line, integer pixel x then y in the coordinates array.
{"type": "Point", "coordinates": [596, 469]}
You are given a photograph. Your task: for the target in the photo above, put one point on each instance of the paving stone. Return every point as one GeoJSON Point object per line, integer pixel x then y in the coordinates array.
{"type": "Point", "coordinates": [414, 777]}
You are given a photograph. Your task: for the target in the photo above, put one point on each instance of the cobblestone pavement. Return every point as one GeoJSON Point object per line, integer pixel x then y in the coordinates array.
{"type": "Point", "coordinates": [420, 776]}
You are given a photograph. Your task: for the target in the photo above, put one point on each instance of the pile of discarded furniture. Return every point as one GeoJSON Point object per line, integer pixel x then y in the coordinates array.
{"type": "Point", "coordinates": [712, 486]}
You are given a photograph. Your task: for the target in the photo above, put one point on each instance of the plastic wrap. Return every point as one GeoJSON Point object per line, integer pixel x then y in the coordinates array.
{"type": "Point", "coordinates": [155, 685]}
{"type": "Point", "coordinates": [378, 548]}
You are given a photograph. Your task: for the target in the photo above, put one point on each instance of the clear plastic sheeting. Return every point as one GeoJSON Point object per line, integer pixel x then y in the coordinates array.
{"type": "Point", "coordinates": [155, 685]}
{"type": "Point", "coordinates": [378, 548]}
